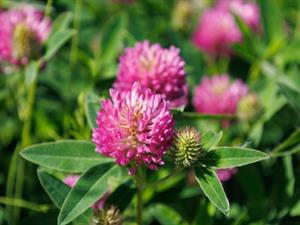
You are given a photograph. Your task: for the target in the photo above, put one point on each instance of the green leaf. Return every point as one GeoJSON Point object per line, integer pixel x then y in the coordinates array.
{"type": "Point", "coordinates": [62, 22]}
{"type": "Point", "coordinates": [58, 191]}
{"type": "Point", "coordinates": [166, 215]}
{"type": "Point", "coordinates": [66, 156]}
{"type": "Point", "coordinates": [228, 157]}
{"type": "Point", "coordinates": [212, 188]}
{"type": "Point", "coordinates": [56, 41]}
{"type": "Point", "coordinates": [91, 107]}
{"type": "Point", "coordinates": [289, 146]}
{"type": "Point", "coordinates": [211, 139]}
{"type": "Point", "coordinates": [271, 19]}
{"type": "Point", "coordinates": [113, 33]}
{"type": "Point", "coordinates": [89, 188]}
{"type": "Point", "coordinates": [31, 72]}
{"type": "Point", "coordinates": [122, 196]}
{"type": "Point", "coordinates": [291, 93]}
{"type": "Point", "coordinates": [55, 188]}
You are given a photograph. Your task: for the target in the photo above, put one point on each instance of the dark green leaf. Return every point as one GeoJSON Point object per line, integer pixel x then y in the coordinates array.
{"type": "Point", "coordinates": [228, 157]}
{"type": "Point", "coordinates": [112, 35]}
{"type": "Point", "coordinates": [212, 188]}
{"type": "Point", "coordinates": [66, 156]}
{"type": "Point", "coordinates": [55, 188]}
{"type": "Point", "coordinates": [88, 189]}
{"type": "Point", "coordinates": [122, 196]}
{"type": "Point", "coordinates": [291, 93]}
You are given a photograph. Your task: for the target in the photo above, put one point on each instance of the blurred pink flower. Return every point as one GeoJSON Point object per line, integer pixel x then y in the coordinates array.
{"type": "Point", "coordinates": [154, 67]}
{"type": "Point", "coordinates": [248, 11]}
{"type": "Point", "coordinates": [217, 95]}
{"type": "Point", "coordinates": [135, 127]}
{"type": "Point", "coordinates": [23, 24]}
{"type": "Point", "coordinates": [71, 181]}
{"type": "Point", "coordinates": [217, 29]}
{"type": "Point", "coordinates": [216, 32]}
{"type": "Point", "coordinates": [226, 174]}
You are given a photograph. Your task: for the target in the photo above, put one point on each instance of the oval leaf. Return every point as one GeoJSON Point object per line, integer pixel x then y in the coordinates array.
{"type": "Point", "coordinates": [55, 188]}
{"type": "Point", "coordinates": [66, 156]}
{"type": "Point", "coordinates": [227, 157]}
{"type": "Point", "coordinates": [212, 188]}
{"type": "Point", "coordinates": [89, 188]}
{"type": "Point", "coordinates": [56, 41]}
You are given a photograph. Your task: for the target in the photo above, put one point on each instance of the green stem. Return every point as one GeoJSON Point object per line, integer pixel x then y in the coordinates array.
{"type": "Point", "coordinates": [75, 39]}
{"type": "Point", "coordinates": [139, 207]}
{"type": "Point", "coordinates": [16, 171]}
{"type": "Point", "coordinates": [24, 204]}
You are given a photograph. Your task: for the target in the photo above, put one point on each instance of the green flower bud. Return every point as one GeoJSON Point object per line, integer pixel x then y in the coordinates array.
{"type": "Point", "coordinates": [25, 42]}
{"type": "Point", "coordinates": [248, 108]}
{"type": "Point", "coordinates": [110, 216]}
{"type": "Point", "coordinates": [186, 147]}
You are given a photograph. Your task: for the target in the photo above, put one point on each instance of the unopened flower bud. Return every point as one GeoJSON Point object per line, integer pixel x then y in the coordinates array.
{"type": "Point", "coordinates": [186, 147]}
{"type": "Point", "coordinates": [110, 216]}
{"type": "Point", "coordinates": [25, 43]}
{"type": "Point", "coordinates": [248, 108]}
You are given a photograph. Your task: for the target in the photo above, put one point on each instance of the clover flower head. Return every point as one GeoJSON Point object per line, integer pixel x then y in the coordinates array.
{"type": "Point", "coordinates": [217, 95]}
{"type": "Point", "coordinates": [154, 67]}
{"type": "Point", "coordinates": [22, 32]}
{"type": "Point", "coordinates": [135, 127]}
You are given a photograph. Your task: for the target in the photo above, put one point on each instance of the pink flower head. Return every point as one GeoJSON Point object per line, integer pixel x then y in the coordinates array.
{"type": "Point", "coordinates": [135, 127]}
{"type": "Point", "coordinates": [216, 32]}
{"type": "Point", "coordinates": [248, 11]}
{"type": "Point", "coordinates": [216, 95]}
{"type": "Point", "coordinates": [154, 67]}
{"type": "Point", "coordinates": [217, 29]}
{"type": "Point", "coordinates": [226, 174]}
{"type": "Point", "coordinates": [20, 24]}
{"type": "Point", "coordinates": [71, 181]}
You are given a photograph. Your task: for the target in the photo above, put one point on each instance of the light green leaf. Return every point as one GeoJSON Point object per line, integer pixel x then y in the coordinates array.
{"type": "Point", "coordinates": [166, 215]}
{"type": "Point", "coordinates": [289, 146]}
{"type": "Point", "coordinates": [31, 72]}
{"type": "Point", "coordinates": [56, 41]}
{"type": "Point", "coordinates": [91, 107]}
{"type": "Point", "coordinates": [212, 188]}
{"type": "Point", "coordinates": [66, 156]}
{"type": "Point", "coordinates": [62, 22]}
{"type": "Point", "coordinates": [89, 188]}
{"type": "Point", "coordinates": [228, 157]}
{"type": "Point", "coordinates": [211, 139]}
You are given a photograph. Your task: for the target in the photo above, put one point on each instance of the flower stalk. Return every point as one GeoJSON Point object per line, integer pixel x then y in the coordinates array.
{"type": "Point", "coordinates": [140, 188]}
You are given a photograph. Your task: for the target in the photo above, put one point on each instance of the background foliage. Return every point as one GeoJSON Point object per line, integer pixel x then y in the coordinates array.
{"type": "Point", "coordinates": [82, 60]}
